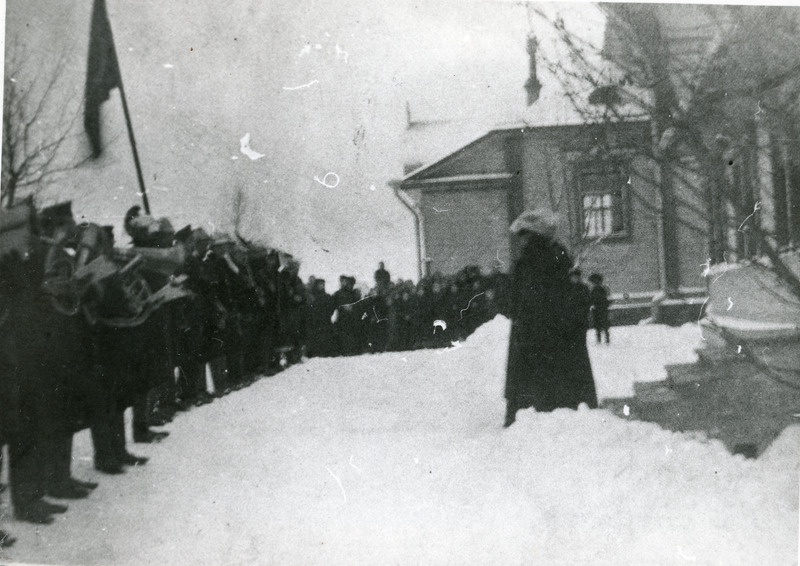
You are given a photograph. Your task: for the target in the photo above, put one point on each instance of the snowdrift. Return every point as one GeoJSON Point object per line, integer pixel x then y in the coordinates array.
{"type": "Point", "coordinates": [400, 458]}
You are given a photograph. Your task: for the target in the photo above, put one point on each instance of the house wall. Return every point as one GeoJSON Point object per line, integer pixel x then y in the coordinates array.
{"type": "Point", "coordinates": [630, 264]}
{"type": "Point", "coordinates": [467, 224]}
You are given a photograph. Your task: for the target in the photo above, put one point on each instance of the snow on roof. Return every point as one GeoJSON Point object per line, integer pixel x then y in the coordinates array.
{"type": "Point", "coordinates": [564, 98]}
{"type": "Point", "coordinates": [551, 111]}
{"type": "Point", "coordinates": [557, 108]}
{"type": "Point", "coordinates": [432, 142]}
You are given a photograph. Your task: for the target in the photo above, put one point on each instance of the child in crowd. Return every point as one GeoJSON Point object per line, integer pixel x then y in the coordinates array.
{"type": "Point", "coordinates": [599, 301]}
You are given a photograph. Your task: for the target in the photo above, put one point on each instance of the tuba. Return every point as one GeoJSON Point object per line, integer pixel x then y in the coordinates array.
{"type": "Point", "coordinates": [84, 273]}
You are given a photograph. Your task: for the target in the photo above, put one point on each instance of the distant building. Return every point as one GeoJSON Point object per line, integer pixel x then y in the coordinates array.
{"type": "Point", "coordinates": [649, 226]}
{"type": "Point", "coordinates": [588, 173]}
{"type": "Point", "coordinates": [578, 160]}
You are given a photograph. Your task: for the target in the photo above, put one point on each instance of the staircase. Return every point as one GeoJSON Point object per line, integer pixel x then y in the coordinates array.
{"type": "Point", "coordinates": [723, 394]}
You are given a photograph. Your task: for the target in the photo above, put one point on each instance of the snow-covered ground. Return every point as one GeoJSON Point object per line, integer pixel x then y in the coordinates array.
{"type": "Point", "coordinates": [400, 459]}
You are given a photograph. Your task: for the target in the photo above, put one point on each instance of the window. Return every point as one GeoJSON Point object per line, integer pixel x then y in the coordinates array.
{"type": "Point", "coordinates": [602, 202]}
{"type": "Point", "coordinates": [597, 216]}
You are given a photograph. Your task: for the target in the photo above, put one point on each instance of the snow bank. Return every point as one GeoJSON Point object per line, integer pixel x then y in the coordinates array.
{"type": "Point", "coordinates": [400, 459]}
{"type": "Point", "coordinates": [637, 353]}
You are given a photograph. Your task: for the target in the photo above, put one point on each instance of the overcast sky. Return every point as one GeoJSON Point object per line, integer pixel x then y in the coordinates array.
{"type": "Point", "coordinates": [320, 86]}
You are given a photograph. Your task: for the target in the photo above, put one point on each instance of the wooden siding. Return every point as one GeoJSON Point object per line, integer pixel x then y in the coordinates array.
{"type": "Point", "coordinates": [467, 225]}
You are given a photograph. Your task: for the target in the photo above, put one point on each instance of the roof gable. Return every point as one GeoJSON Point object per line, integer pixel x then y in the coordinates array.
{"type": "Point", "coordinates": [486, 155]}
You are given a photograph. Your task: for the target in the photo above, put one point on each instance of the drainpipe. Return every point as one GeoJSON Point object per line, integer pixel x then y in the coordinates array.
{"type": "Point", "coordinates": [412, 206]}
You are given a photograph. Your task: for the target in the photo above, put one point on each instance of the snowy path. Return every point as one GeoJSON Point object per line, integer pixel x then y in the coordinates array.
{"type": "Point", "coordinates": [400, 459]}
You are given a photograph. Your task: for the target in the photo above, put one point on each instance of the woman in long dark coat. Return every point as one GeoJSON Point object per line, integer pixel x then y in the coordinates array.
{"type": "Point", "coordinates": [548, 363]}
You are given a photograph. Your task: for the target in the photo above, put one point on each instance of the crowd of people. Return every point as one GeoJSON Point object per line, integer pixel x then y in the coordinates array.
{"type": "Point", "coordinates": [89, 330]}
{"type": "Point", "coordinates": [400, 315]}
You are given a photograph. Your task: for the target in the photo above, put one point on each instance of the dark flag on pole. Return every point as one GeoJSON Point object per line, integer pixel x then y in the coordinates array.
{"type": "Point", "coordinates": [102, 74]}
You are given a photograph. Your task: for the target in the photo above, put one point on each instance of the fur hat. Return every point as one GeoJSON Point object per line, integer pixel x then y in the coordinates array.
{"type": "Point", "coordinates": [539, 221]}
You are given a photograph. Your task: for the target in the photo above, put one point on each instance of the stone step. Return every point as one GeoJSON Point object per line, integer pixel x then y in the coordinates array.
{"type": "Point", "coordinates": [645, 386]}
{"type": "Point", "coordinates": [683, 374]}
{"type": "Point", "coordinates": [712, 356]}
{"type": "Point", "coordinates": [651, 392]}
{"type": "Point", "coordinates": [727, 367]}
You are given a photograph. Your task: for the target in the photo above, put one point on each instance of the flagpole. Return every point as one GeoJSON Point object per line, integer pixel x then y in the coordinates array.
{"type": "Point", "coordinates": [132, 139]}
{"type": "Point", "coordinates": [102, 75]}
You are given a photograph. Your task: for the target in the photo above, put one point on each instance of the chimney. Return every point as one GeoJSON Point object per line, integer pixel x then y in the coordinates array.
{"type": "Point", "coordinates": [532, 85]}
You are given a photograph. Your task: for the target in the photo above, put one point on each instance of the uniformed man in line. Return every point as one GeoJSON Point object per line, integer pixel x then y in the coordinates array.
{"type": "Point", "coordinates": [39, 353]}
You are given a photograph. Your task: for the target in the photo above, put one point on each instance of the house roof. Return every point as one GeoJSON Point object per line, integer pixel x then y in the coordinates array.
{"type": "Point", "coordinates": [564, 101]}
{"type": "Point", "coordinates": [557, 107]}
{"type": "Point", "coordinates": [430, 142]}
{"type": "Point", "coordinates": [550, 115]}
{"type": "Point", "coordinates": [445, 155]}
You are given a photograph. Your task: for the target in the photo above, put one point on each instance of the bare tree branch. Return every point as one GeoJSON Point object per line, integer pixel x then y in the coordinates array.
{"type": "Point", "coordinates": [37, 123]}
{"type": "Point", "coordinates": [694, 89]}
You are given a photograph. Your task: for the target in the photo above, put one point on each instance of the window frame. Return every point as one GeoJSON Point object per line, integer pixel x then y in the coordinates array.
{"type": "Point", "coordinates": [613, 166]}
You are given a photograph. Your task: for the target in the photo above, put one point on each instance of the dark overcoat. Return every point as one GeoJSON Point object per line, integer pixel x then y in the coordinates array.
{"type": "Point", "coordinates": [48, 387]}
{"type": "Point", "coordinates": [548, 363]}
{"type": "Point", "coordinates": [320, 331]}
